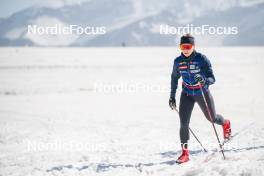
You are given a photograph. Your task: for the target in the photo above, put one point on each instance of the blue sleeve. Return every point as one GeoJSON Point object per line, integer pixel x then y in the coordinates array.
{"type": "Point", "coordinates": [208, 71]}
{"type": "Point", "coordinates": [175, 75]}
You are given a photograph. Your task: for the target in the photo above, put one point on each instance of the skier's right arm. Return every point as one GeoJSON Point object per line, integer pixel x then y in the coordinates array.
{"type": "Point", "coordinates": [175, 75]}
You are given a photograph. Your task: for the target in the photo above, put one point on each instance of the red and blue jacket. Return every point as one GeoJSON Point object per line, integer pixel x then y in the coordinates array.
{"type": "Point", "coordinates": [187, 67]}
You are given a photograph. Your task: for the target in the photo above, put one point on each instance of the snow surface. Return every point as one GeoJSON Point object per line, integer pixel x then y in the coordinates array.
{"type": "Point", "coordinates": [55, 121]}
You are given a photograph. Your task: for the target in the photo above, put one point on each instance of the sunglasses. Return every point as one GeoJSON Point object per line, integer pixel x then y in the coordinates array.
{"type": "Point", "coordinates": [186, 46]}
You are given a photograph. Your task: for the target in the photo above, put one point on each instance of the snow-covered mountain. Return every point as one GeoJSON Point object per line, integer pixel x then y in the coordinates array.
{"type": "Point", "coordinates": [135, 22]}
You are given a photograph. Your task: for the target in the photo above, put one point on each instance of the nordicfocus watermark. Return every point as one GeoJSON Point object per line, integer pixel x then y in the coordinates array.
{"type": "Point", "coordinates": [198, 30]}
{"type": "Point", "coordinates": [126, 147]}
{"type": "Point", "coordinates": [130, 87]}
{"type": "Point", "coordinates": [59, 29]}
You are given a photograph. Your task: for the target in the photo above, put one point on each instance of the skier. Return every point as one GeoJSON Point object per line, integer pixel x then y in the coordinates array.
{"type": "Point", "coordinates": [197, 74]}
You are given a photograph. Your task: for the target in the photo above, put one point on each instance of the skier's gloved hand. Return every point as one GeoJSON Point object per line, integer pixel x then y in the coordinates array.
{"type": "Point", "coordinates": [199, 79]}
{"type": "Point", "coordinates": [172, 103]}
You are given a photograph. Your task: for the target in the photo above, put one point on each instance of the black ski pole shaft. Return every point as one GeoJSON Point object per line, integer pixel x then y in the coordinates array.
{"type": "Point", "coordinates": [193, 134]}
{"type": "Point", "coordinates": [197, 139]}
{"type": "Point", "coordinates": [210, 115]}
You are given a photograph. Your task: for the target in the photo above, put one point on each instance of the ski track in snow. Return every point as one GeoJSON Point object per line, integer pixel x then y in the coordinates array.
{"type": "Point", "coordinates": [49, 101]}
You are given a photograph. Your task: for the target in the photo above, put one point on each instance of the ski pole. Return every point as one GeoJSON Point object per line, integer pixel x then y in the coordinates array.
{"type": "Point", "coordinates": [192, 133]}
{"type": "Point", "coordinates": [197, 139]}
{"type": "Point", "coordinates": [210, 115]}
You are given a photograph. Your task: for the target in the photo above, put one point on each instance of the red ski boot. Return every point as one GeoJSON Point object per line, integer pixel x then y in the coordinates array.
{"type": "Point", "coordinates": [184, 157]}
{"type": "Point", "coordinates": [227, 129]}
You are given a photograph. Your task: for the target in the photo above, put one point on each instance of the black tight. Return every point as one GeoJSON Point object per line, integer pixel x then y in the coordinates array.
{"type": "Point", "coordinates": [186, 106]}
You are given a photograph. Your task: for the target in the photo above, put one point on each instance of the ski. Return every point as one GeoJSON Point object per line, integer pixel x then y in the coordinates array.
{"type": "Point", "coordinates": [237, 133]}
{"type": "Point", "coordinates": [211, 155]}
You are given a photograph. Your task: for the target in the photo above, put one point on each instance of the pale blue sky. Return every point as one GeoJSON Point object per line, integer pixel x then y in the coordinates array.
{"type": "Point", "coordinates": [8, 7]}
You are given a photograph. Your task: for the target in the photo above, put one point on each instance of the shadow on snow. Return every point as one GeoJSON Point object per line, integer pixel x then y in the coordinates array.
{"type": "Point", "coordinates": [102, 167]}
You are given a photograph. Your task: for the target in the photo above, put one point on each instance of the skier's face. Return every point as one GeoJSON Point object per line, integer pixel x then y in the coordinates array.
{"type": "Point", "coordinates": [187, 49]}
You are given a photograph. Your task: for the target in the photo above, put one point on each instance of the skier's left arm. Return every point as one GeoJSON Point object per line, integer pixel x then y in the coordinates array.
{"type": "Point", "coordinates": [208, 71]}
